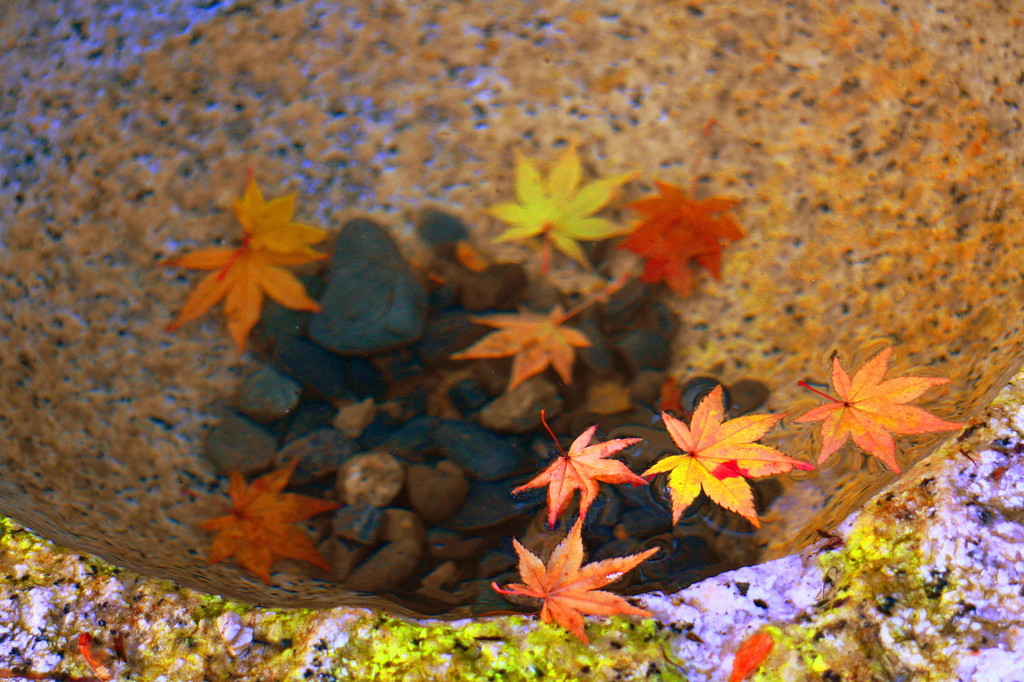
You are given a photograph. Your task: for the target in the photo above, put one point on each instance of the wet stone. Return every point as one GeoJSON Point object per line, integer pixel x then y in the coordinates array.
{"type": "Point", "coordinates": [401, 524]}
{"type": "Point", "coordinates": [598, 355]}
{"type": "Point", "coordinates": [445, 545]}
{"type": "Point", "coordinates": [341, 556]}
{"type": "Point", "coordinates": [485, 455]}
{"type": "Point", "coordinates": [496, 561]}
{"type": "Point", "coordinates": [412, 438]}
{"type": "Point", "coordinates": [518, 410]}
{"type": "Point", "coordinates": [447, 331]}
{"type": "Point", "coordinates": [352, 419]}
{"type": "Point", "coordinates": [309, 416]}
{"type": "Point", "coordinates": [312, 366]}
{"type": "Point", "coordinates": [689, 552]}
{"type": "Point", "coordinates": [489, 504]}
{"type": "Point", "coordinates": [441, 229]}
{"type": "Point", "coordinates": [746, 395]}
{"type": "Point", "coordinates": [267, 395]}
{"type": "Point", "coordinates": [373, 302]}
{"type": "Point", "coordinates": [237, 443]}
{"type": "Point", "coordinates": [436, 493]}
{"type": "Point", "coordinates": [467, 396]}
{"type": "Point", "coordinates": [646, 387]}
{"type": "Point", "coordinates": [496, 288]}
{"type": "Point", "coordinates": [317, 455]}
{"type": "Point", "coordinates": [359, 523]}
{"type": "Point", "coordinates": [387, 568]}
{"type": "Point", "coordinates": [277, 322]}
{"type": "Point", "coordinates": [373, 477]}
{"type": "Point", "coordinates": [642, 349]}
{"type": "Point", "coordinates": [624, 305]}
{"type": "Point", "coordinates": [643, 522]}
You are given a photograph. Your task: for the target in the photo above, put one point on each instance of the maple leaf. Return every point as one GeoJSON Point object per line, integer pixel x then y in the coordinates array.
{"type": "Point", "coordinates": [260, 528]}
{"type": "Point", "coordinates": [750, 655]}
{"type": "Point", "coordinates": [677, 230]}
{"type": "Point", "coordinates": [580, 469]}
{"type": "Point", "coordinates": [558, 208]}
{"type": "Point", "coordinates": [718, 456]}
{"type": "Point", "coordinates": [536, 340]}
{"type": "Point", "coordinates": [244, 276]}
{"type": "Point", "coordinates": [871, 410]}
{"type": "Point", "coordinates": [567, 590]}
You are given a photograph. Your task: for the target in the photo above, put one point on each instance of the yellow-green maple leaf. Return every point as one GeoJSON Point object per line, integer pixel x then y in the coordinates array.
{"type": "Point", "coordinates": [557, 208]}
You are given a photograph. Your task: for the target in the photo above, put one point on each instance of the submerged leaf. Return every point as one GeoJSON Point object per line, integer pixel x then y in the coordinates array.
{"type": "Point", "coordinates": [243, 277]}
{"type": "Point", "coordinates": [261, 526]}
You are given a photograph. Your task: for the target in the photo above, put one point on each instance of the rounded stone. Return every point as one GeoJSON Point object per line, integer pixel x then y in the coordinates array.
{"type": "Point", "coordinates": [236, 443]}
{"type": "Point", "coordinates": [267, 394]}
{"type": "Point", "coordinates": [317, 454]}
{"type": "Point", "coordinates": [436, 493]}
{"type": "Point", "coordinates": [373, 477]}
{"type": "Point", "coordinates": [387, 568]}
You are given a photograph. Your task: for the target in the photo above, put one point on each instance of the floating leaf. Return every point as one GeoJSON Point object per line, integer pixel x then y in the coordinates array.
{"type": "Point", "coordinates": [870, 410]}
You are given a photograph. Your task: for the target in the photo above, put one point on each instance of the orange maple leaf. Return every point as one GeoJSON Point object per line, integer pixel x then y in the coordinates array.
{"type": "Point", "coordinates": [534, 339]}
{"type": "Point", "coordinates": [260, 528]}
{"type": "Point", "coordinates": [717, 456]}
{"type": "Point", "coordinates": [870, 410]}
{"type": "Point", "coordinates": [244, 275]}
{"type": "Point", "coordinates": [580, 469]}
{"type": "Point", "coordinates": [750, 655]}
{"type": "Point", "coordinates": [677, 230]}
{"type": "Point", "coordinates": [568, 591]}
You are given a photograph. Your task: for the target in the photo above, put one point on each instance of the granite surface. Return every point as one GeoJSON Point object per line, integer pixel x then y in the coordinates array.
{"type": "Point", "coordinates": [876, 148]}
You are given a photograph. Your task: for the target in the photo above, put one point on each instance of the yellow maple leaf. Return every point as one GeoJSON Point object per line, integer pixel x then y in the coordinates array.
{"type": "Point", "coordinates": [244, 276]}
{"type": "Point", "coordinates": [718, 456]}
{"type": "Point", "coordinates": [558, 208]}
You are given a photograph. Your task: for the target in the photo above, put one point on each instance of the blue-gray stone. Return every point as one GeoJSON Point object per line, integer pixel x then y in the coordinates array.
{"type": "Point", "coordinates": [373, 302]}
{"type": "Point", "coordinates": [642, 522]}
{"type": "Point", "coordinates": [467, 397]}
{"type": "Point", "coordinates": [277, 322]}
{"type": "Point", "coordinates": [358, 522]}
{"type": "Point", "coordinates": [598, 355]}
{"type": "Point", "coordinates": [447, 331]}
{"type": "Point", "coordinates": [237, 443]}
{"type": "Point", "coordinates": [410, 439]}
{"type": "Point", "coordinates": [491, 503]}
{"type": "Point", "coordinates": [317, 454]}
{"type": "Point", "coordinates": [312, 366]}
{"type": "Point", "coordinates": [363, 378]}
{"type": "Point", "coordinates": [623, 306]}
{"type": "Point", "coordinates": [497, 288]}
{"type": "Point", "coordinates": [438, 228]}
{"type": "Point", "coordinates": [267, 394]}
{"type": "Point", "coordinates": [308, 417]}
{"type": "Point", "coordinates": [642, 349]}
{"type": "Point", "coordinates": [484, 454]}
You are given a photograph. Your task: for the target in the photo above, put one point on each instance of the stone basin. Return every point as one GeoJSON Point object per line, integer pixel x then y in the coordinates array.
{"type": "Point", "coordinates": [876, 151]}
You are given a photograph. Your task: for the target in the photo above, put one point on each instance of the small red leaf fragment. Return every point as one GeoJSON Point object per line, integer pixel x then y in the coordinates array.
{"type": "Point", "coordinates": [96, 660]}
{"type": "Point", "coordinates": [751, 655]}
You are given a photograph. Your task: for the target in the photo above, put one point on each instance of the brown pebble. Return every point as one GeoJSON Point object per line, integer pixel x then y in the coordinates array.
{"type": "Point", "coordinates": [436, 493]}
{"type": "Point", "coordinates": [373, 477]}
{"type": "Point", "coordinates": [387, 568]}
{"type": "Point", "coordinates": [401, 524]}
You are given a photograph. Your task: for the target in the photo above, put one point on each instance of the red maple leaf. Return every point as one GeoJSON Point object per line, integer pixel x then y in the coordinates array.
{"type": "Point", "coordinates": [678, 232]}
{"type": "Point", "coordinates": [580, 469]}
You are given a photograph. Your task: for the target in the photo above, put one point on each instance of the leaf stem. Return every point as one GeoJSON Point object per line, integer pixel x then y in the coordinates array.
{"type": "Point", "coordinates": [558, 445]}
{"type": "Point", "coordinates": [601, 295]}
{"type": "Point", "coordinates": [811, 388]}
